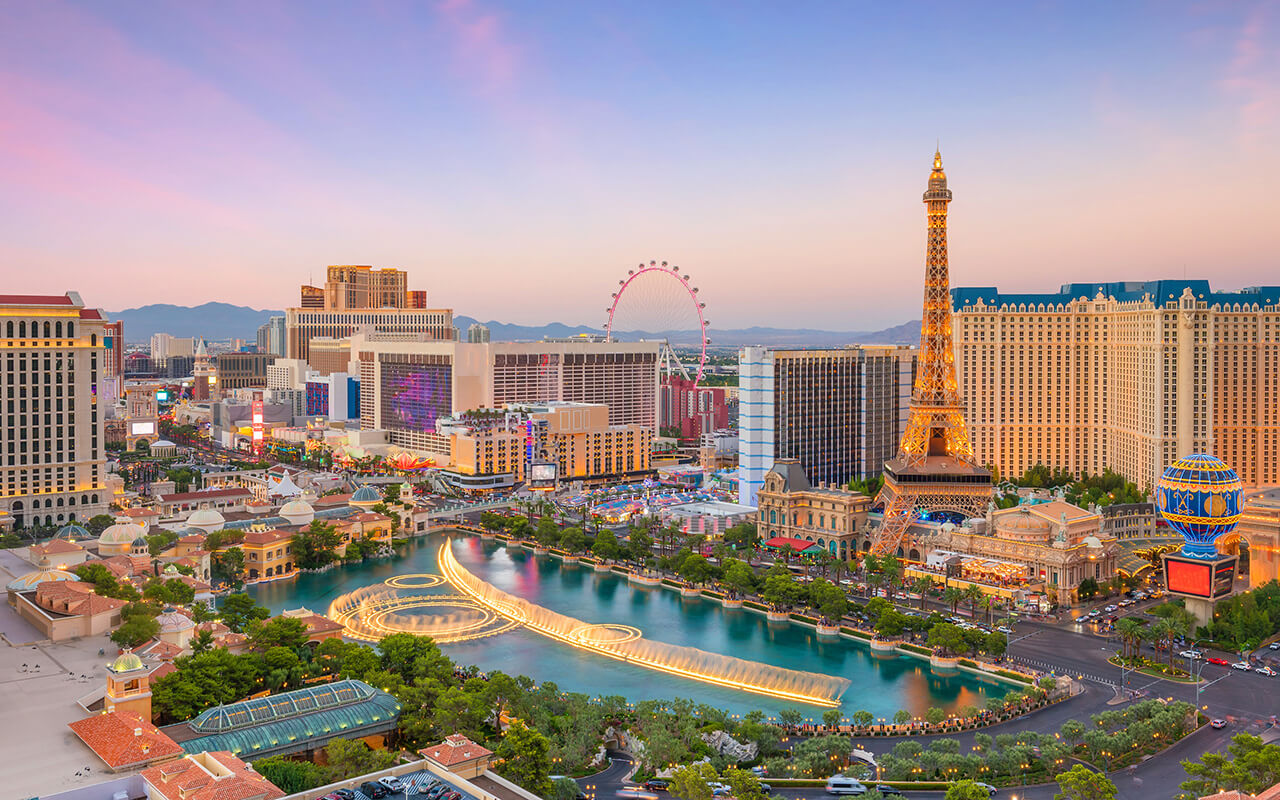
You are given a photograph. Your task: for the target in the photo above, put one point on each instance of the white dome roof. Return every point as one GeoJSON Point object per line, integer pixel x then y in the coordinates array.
{"type": "Point", "coordinates": [207, 519]}
{"type": "Point", "coordinates": [1092, 541]}
{"type": "Point", "coordinates": [174, 621]}
{"type": "Point", "coordinates": [121, 533]}
{"type": "Point", "coordinates": [298, 512]}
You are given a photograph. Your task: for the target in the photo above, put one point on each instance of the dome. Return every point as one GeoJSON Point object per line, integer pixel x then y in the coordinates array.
{"type": "Point", "coordinates": [171, 570]}
{"type": "Point", "coordinates": [1022, 525]}
{"type": "Point", "coordinates": [1092, 541]}
{"type": "Point", "coordinates": [1199, 496]}
{"type": "Point", "coordinates": [126, 662]}
{"type": "Point", "coordinates": [122, 533]}
{"type": "Point", "coordinates": [73, 532]}
{"type": "Point", "coordinates": [365, 497]}
{"type": "Point", "coordinates": [173, 621]}
{"type": "Point", "coordinates": [31, 580]}
{"type": "Point", "coordinates": [206, 519]}
{"type": "Point", "coordinates": [297, 512]}
{"type": "Point", "coordinates": [163, 443]}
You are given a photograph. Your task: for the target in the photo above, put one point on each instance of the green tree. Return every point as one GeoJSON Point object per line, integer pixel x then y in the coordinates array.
{"type": "Point", "coordinates": [693, 781]}
{"type": "Point", "coordinates": [1072, 732]}
{"type": "Point", "coordinates": [1082, 783]}
{"type": "Point", "coordinates": [548, 532]}
{"type": "Point", "coordinates": [573, 540]}
{"type": "Point", "coordinates": [172, 592]}
{"type": "Point", "coordinates": [238, 611]}
{"type": "Point", "coordinates": [135, 630]}
{"type": "Point", "coordinates": [227, 566]}
{"type": "Point", "coordinates": [564, 789]}
{"type": "Point", "coordinates": [742, 536]}
{"type": "Point", "coordinates": [1248, 766]}
{"type": "Point", "coordinates": [290, 776]}
{"type": "Point", "coordinates": [790, 716]}
{"type": "Point", "coordinates": [743, 784]}
{"type": "Point", "coordinates": [1087, 590]}
{"type": "Point", "coordinates": [350, 758]}
{"type": "Point", "coordinates": [283, 632]}
{"type": "Point", "coordinates": [966, 790]}
{"type": "Point", "coordinates": [202, 642]}
{"type": "Point", "coordinates": [739, 576]}
{"type": "Point", "coordinates": [933, 715]}
{"type": "Point", "coordinates": [781, 590]}
{"type": "Point", "coordinates": [863, 718]}
{"type": "Point", "coordinates": [953, 596]}
{"type": "Point", "coordinates": [99, 523]}
{"type": "Point", "coordinates": [923, 586]}
{"type": "Point", "coordinates": [996, 643]}
{"type": "Point", "coordinates": [829, 599]}
{"type": "Point", "coordinates": [948, 639]}
{"type": "Point", "coordinates": [606, 546]}
{"type": "Point", "coordinates": [695, 569]}
{"type": "Point", "coordinates": [902, 716]}
{"type": "Point", "coordinates": [316, 545]}
{"type": "Point", "coordinates": [523, 752]}
{"type": "Point", "coordinates": [831, 717]}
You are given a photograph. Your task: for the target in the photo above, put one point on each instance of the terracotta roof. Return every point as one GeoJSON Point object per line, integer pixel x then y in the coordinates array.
{"type": "Point", "coordinates": [120, 566]}
{"type": "Point", "coordinates": [90, 313]}
{"type": "Point", "coordinates": [332, 500]}
{"type": "Point", "coordinates": [124, 739]}
{"type": "Point", "coordinates": [35, 300]}
{"type": "Point", "coordinates": [270, 536]}
{"type": "Point", "coordinates": [318, 624]}
{"type": "Point", "coordinates": [214, 627]}
{"type": "Point", "coordinates": [164, 669]}
{"type": "Point", "coordinates": [74, 598]}
{"type": "Point", "coordinates": [55, 546]}
{"type": "Point", "coordinates": [156, 649]}
{"type": "Point", "coordinates": [194, 538]}
{"type": "Point", "coordinates": [370, 516]}
{"type": "Point", "coordinates": [455, 749]}
{"type": "Point", "coordinates": [798, 545]}
{"type": "Point", "coordinates": [211, 494]}
{"type": "Point", "coordinates": [139, 512]}
{"type": "Point", "coordinates": [188, 779]}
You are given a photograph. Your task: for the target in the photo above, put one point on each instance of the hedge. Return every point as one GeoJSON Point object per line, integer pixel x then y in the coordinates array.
{"type": "Point", "coordinates": [1017, 676]}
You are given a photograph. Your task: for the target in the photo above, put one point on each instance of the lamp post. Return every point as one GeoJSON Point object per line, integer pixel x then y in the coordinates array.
{"type": "Point", "coordinates": [1195, 676]}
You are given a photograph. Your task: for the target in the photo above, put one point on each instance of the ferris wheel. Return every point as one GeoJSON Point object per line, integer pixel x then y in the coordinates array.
{"type": "Point", "coordinates": [656, 302]}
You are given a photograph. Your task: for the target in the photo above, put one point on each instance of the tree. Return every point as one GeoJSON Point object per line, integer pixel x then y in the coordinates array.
{"type": "Point", "coordinates": [1087, 590]}
{"type": "Point", "coordinates": [742, 536]}
{"type": "Point", "coordinates": [349, 758]}
{"type": "Point", "coordinates": [1128, 629]}
{"type": "Point", "coordinates": [135, 630]}
{"type": "Point", "coordinates": [743, 784]}
{"type": "Point", "coordinates": [966, 790]}
{"type": "Point", "coordinates": [948, 639]}
{"type": "Point", "coordinates": [239, 610]}
{"type": "Point", "coordinates": [286, 632]}
{"type": "Point", "coordinates": [996, 644]}
{"type": "Point", "coordinates": [781, 589]}
{"type": "Point", "coordinates": [573, 540]}
{"type": "Point", "coordinates": [933, 715]}
{"type": "Point", "coordinates": [829, 599]}
{"type": "Point", "coordinates": [523, 752]}
{"type": "Point", "coordinates": [99, 523]}
{"type": "Point", "coordinates": [1249, 766]}
{"type": "Point", "coordinates": [606, 546]}
{"type": "Point", "coordinates": [228, 566]}
{"type": "Point", "coordinates": [290, 776]}
{"type": "Point", "coordinates": [953, 596]}
{"type": "Point", "coordinates": [739, 576]}
{"type": "Point", "coordinates": [548, 532]}
{"type": "Point", "coordinates": [862, 718]}
{"type": "Point", "coordinates": [901, 716]}
{"type": "Point", "coordinates": [172, 592]}
{"type": "Point", "coordinates": [564, 789]}
{"type": "Point", "coordinates": [202, 642]}
{"type": "Point", "coordinates": [693, 781]}
{"type": "Point", "coordinates": [1082, 783]}
{"type": "Point", "coordinates": [316, 545]}
{"type": "Point", "coordinates": [923, 586]}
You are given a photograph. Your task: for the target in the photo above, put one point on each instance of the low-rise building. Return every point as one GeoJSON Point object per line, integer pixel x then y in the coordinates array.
{"type": "Point", "coordinates": [67, 609]}
{"type": "Point", "coordinates": [207, 776]}
{"type": "Point", "coordinates": [790, 507]}
{"type": "Point", "coordinates": [268, 554]}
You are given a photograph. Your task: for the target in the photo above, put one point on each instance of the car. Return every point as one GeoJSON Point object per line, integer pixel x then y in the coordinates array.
{"type": "Point", "coordinates": [839, 784]}
{"type": "Point", "coordinates": [393, 784]}
{"type": "Point", "coordinates": [1274, 646]}
{"type": "Point", "coordinates": [1222, 662]}
{"type": "Point", "coordinates": [1268, 671]}
{"type": "Point", "coordinates": [991, 790]}
{"type": "Point", "coordinates": [374, 790]}
{"type": "Point", "coordinates": [888, 791]}
{"type": "Point", "coordinates": [1005, 629]}
{"type": "Point", "coordinates": [1111, 608]}
{"type": "Point", "coordinates": [1195, 654]}
{"type": "Point", "coordinates": [719, 789]}
{"type": "Point", "coordinates": [656, 785]}
{"type": "Point", "coordinates": [766, 788]}
{"type": "Point", "coordinates": [345, 794]}
{"type": "Point", "coordinates": [1218, 724]}
{"type": "Point", "coordinates": [1243, 666]}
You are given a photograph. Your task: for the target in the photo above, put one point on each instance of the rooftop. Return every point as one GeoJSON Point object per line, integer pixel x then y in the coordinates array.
{"type": "Point", "coordinates": [217, 775]}
{"type": "Point", "coordinates": [123, 739]}
{"type": "Point", "coordinates": [455, 749]}
{"type": "Point", "coordinates": [1158, 292]}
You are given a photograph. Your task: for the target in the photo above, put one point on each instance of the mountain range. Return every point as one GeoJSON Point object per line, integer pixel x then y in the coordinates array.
{"type": "Point", "coordinates": [224, 321]}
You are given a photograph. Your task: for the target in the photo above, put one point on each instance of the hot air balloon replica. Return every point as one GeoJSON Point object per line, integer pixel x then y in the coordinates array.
{"type": "Point", "coordinates": [1199, 496]}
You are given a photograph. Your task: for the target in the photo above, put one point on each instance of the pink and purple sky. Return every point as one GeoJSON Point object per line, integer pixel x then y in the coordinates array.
{"type": "Point", "coordinates": [517, 158]}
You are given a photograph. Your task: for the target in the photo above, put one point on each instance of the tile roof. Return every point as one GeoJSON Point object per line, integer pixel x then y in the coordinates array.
{"type": "Point", "coordinates": [798, 545]}
{"type": "Point", "coordinates": [454, 750]}
{"type": "Point", "coordinates": [188, 779]}
{"type": "Point", "coordinates": [55, 546]}
{"type": "Point", "coordinates": [270, 536]}
{"type": "Point", "coordinates": [124, 739]}
{"type": "Point", "coordinates": [90, 313]}
{"type": "Point", "coordinates": [35, 300]}
{"type": "Point", "coordinates": [210, 494]}
{"type": "Point", "coordinates": [74, 598]}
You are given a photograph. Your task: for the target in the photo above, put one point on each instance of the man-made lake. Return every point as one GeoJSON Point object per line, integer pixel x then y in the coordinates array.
{"type": "Point", "coordinates": [879, 684]}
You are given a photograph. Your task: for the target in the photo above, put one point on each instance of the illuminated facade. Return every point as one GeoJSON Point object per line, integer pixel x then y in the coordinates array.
{"type": "Point", "coordinates": [840, 412]}
{"type": "Point", "coordinates": [243, 370]}
{"type": "Point", "coordinates": [1127, 376]}
{"type": "Point", "coordinates": [831, 517]}
{"type": "Point", "coordinates": [405, 386]}
{"type": "Point", "coordinates": [935, 467]}
{"type": "Point", "coordinates": [52, 443]}
{"type": "Point", "coordinates": [577, 437]}
{"type": "Point", "coordinates": [362, 287]}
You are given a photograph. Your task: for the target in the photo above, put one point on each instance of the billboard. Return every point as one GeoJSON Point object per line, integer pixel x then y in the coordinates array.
{"type": "Point", "coordinates": [142, 429]}
{"type": "Point", "coordinates": [162, 396]}
{"type": "Point", "coordinates": [415, 395]}
{"type": "Point", "coordinates": [1199, 578]}
{"type": "Point", "coordinates": [542, 476]}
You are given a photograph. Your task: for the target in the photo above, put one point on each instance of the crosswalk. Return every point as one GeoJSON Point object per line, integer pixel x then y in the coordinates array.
{"type": "Point", "coordinates": [1059, 670]}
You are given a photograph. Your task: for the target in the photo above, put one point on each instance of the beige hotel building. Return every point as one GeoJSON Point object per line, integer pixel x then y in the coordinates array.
{"type": "Point", "coordinates": [1128, 376]}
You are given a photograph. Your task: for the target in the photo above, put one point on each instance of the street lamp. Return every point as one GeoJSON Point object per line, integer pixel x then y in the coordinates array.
{"type": "Point", "coordinates": [1195, 676]}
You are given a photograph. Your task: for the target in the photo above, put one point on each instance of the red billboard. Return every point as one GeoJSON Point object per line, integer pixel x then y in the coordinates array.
{"type": "Point", "coordinates": [1189, 577]}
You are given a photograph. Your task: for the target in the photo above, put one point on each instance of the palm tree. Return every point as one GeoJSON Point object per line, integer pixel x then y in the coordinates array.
{"type": "Point", "coordinates": [923, 585]}
{"type": "Point", "coordinates": [1129, 630]}
{"type": "Point", "coordinates": [972, 596]}
{"type": "Point", "coordinates": [892, 569]}
{"type": "Point", "coordinates": [953, 595]}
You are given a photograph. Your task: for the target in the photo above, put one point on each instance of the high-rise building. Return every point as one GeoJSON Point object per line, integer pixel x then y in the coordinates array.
{"type": "Point", "coordinates": [417, 298]}
{"type": "Point", "coordinates": [272, 337]}
{"type": "Point", "coordinates": [690, 410]}
{"type": "Point", "coordinates": [361, 298]}
{"type": "Point", "coordinates": [1127, 376]}
{"type": "Point", "coordinates": [406, 385]}
{"type": "Point", "coordinates": [477, 333]}
{"type": "Point", "coordinates": [839, 412]}
{"type": "Point", "coordinates": [243, 371]}
{"type": "Point", "coordinates": [112, 382]}
{"type": "Point", "coordinates": [163, 345]}
{"type": "Point", "coordinates": [934, 468]}
{"type": "Point", "coordinates": [311, 297]}
{"type": "Point", "coordinates": [52, 445]}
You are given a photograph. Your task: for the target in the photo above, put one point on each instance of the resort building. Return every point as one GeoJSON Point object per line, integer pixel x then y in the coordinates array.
{"type": "Point", "coordinates": [491, 448]}
{"type": "Point", "coordinates": [690, 410]}
{"type": "Point", "coordinates": [52, 443]}
{"type": "Point", "coordinates": [1259, 528]}
{"type": "Point", "coordinates": [406, 386]}
{"type": "Point", "coordinates": [207, 776]}
{"type": "Point", "coordinates": [792, 508]}
{"type": "Point", "coordinates": [1127, 376]}
{"type": "Point", "coordinates": [243, 370]}
{"type": "Point", "coordinates": [63, 609]}
{"type": "Point", "coordinates": [839, 412]}
{"type": "Point", "coordinates": [125, 740]}
{"type": "Point", "coordinates": [268, 553]}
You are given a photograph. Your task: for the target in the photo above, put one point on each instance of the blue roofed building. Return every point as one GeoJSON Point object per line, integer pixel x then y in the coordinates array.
{"type": "Point", "coordinates": [1121, 375]}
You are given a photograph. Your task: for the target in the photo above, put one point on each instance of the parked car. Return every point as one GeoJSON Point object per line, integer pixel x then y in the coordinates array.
{"type": "Point", "coordinates": [766, 788]}
{"type": "Point", "coordinates": [345, 794]}
{"type": "Point", "coordinates": [1274, 646]}
{"type": "Point", "coordinates": [1243, 666]}
{"type": "Point", "coordinates": [889, 791]}
{"type": "Point", "coordinates": [991, 790]}
{"type": "Point", "coordinates": [393, 784]}
{"type": "Point", "coordinates": [839, 784]}
{"type": "Point", "coordinates": [1218, 724]}
{"type": "Point", "coordinates": [374, 790]}
{"type": "Point", "coordinates": [1111, 608]}
{"type": "Point", "coordinates": [1268, 671]}
{"type": "Point", "coordinates": [656, 785]}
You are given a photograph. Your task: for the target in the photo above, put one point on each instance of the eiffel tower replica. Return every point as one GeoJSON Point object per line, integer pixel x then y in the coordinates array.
{"type": "Point", "coordinates": [934, 469]}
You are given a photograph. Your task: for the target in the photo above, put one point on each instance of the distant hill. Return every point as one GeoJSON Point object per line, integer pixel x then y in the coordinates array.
{"type": "Point", "coordinates": [213, 321]}
{"type": "Point", "coordinates": [220, 321]}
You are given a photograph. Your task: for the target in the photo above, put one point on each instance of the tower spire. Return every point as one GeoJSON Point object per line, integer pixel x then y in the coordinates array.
{"type": "Point", "coordinates": [934, 467]}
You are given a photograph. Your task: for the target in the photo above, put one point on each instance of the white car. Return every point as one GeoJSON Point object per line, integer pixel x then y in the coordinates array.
{"type": "Point", "coordinates": [1111, 608]}
{"type": "Point", "coordinates": [1192, 654]}
{"type": "Point", "coordinates": [1004, 629]}
{"type": "Point", "coordinates": [991, 790]}
{"type": "Point", "coordinates": [393, 784]}
{"type": "Point", "coordinates": [1243, 666]}
{"type": "Point", "coordinates": [1268, 671]}
{"type": "Point", "coordinates": [1274, 646]}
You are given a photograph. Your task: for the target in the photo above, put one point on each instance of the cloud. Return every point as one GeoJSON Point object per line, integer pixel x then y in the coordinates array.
{"type": "Point", "coordinates": [1252, 76]}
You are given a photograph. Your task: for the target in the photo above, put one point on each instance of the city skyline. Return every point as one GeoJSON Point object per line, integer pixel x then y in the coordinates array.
{"type": "Point", "coordinates": [201, 157]}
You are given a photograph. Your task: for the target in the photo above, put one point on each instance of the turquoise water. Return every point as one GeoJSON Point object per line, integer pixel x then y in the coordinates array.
{"type": "Point", "coordinates": [879, 684]}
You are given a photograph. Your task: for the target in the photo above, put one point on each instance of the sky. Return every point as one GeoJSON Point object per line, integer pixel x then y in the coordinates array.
{"type": "Point", "coordinates": [518, 158]}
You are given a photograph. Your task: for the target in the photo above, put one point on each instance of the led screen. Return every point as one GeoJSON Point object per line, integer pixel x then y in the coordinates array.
{"type": "Point", "coordinates": [1188, 577]}
{"type": "Point", "coordinates": [542, 473]}
{"type": "Point", "coordinates": [1223, 576]}
{"type": "Point", "coordinates": [142, 429]}
{"type": "Point", "coordinates": [414, 395]}
{"type": "Point", "coordinates": [162, 396]}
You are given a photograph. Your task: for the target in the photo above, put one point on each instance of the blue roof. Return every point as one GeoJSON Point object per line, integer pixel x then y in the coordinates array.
{"type": "Point", "coordinates": [299, 720]}
{"type": "Point", "coordinates": [1159, 292]}
{"type": "Point", "coordinates": [366, 494]}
